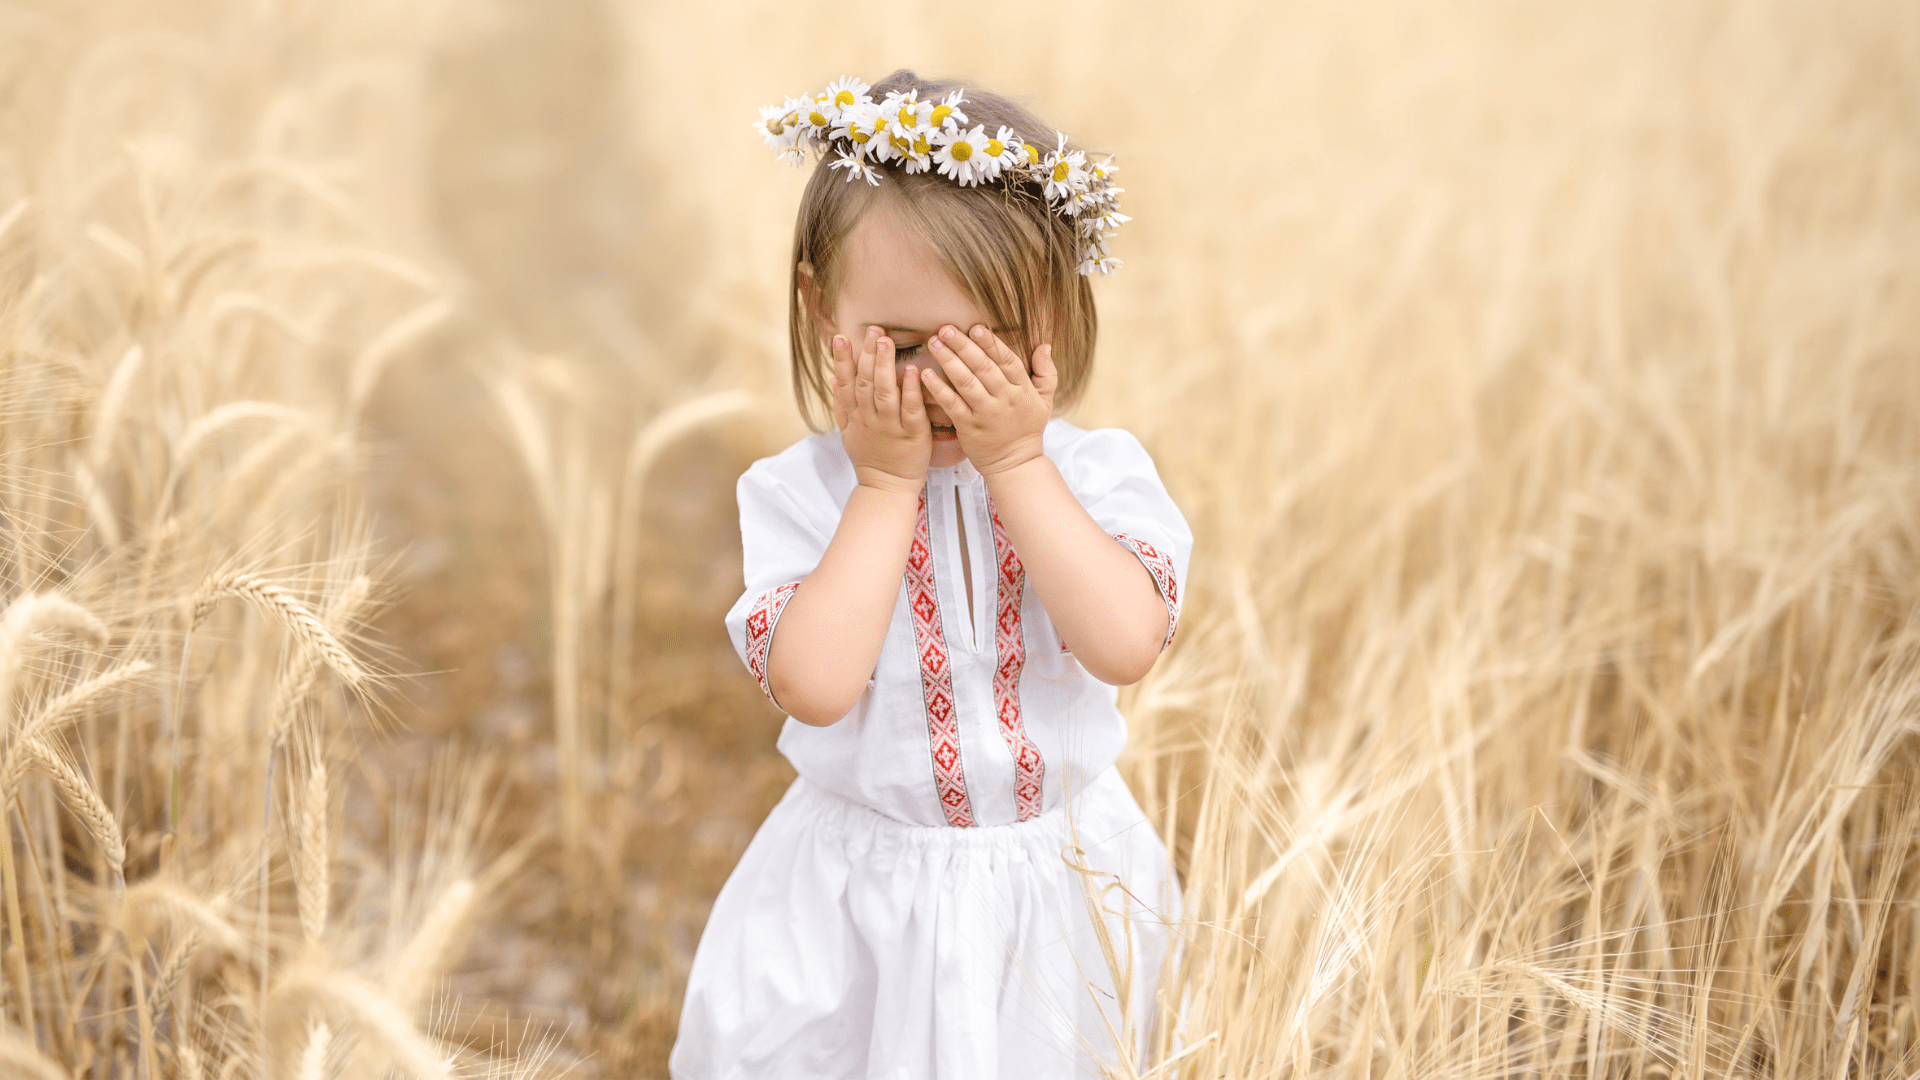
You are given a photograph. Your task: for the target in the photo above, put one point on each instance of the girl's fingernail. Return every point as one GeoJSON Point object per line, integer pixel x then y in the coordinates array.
{"type": "Point", "coordinates": [979, 333]}
{"type": "Point", "coordinates": [948, 332]}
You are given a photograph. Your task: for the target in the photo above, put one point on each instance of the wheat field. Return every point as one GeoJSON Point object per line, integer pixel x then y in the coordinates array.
{"type": "Point", "coordinates": [1542, 385]}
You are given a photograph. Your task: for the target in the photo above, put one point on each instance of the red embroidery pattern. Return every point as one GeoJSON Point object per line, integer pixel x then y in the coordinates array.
{"type": "Point", "coordinates": [1161, 567]}
{"type": "Point", "coordinates": [1010, 643]}
{"type": "Point", "coordinates": [936, 676]}
{"type": "Point", "coordinates": [765, 613]}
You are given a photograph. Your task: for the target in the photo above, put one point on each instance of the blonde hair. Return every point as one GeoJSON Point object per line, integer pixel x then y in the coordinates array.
{"type": "Point", "coordinates": [999, 241]}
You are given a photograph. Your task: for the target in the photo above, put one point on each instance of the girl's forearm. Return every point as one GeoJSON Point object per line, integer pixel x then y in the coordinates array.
{"type": "Point", "coordinates": [1103, 602]}
{"type": "Point", "coordinates": [828, 638]}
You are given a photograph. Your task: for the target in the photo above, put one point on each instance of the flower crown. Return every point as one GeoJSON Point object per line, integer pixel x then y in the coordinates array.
{"type": "Point", "coordinates": [929, 134]}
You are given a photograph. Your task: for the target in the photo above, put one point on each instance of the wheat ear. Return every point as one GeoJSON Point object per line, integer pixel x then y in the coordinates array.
{"type": "Point", "coordinates": [313, 1060]}
{"type": "Point", "coordinates": [32, 614]}
{"type": "Point", "coordinates": [54, 714]}
{"type": "Point", "coordinates": [378, 1018]}
{"type": "Point", "coordinates": [299, 619]}
{"type": "Point", "coordinates": [86, 804]}
{"type": "Point", "coordinates": [172, 970]}
{"type": "Point", "coordinates": [298, 679]}
{"type": "Point", "coordinates": [432, 945]}
{"type": "Point", "coordinates": [157, 900]}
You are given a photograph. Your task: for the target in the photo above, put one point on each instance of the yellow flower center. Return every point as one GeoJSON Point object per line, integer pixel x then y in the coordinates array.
{"type": "Point", "coordinates": [920, 145]}
{"type": "Point", "coordinates": [1033, 154]}
{"type": "Point", "coordinates": [995, 148]}
{"type": "Point", "coordinates": [816, 119]}
{"type": "Point", "coordinates": [940, 114]}
{"type": "Point", "coordinates": [900, 143]}
{"type": "Point", "coordinates": [857, 136]}
{"type": "Point", "coordinates": [844, 98]}
{"type": "Point", "coordinates": [1059, 172]}
{"type": "Point", "coordinates": [906, 116]}
{"type": "Point", "coordinates": [961, 150]}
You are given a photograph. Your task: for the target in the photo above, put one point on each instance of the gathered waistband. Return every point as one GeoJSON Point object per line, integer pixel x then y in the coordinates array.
{"type": "Point", "coordinates": [1102, 804]}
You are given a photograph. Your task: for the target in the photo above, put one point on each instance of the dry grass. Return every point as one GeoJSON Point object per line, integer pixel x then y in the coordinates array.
{"type": "Point", "coordinates": [1541, 385]}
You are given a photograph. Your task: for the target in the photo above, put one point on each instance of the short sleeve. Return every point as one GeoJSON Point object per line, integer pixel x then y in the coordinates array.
{"type": "Point", "coordinates": [780, 543]}
{"type": "Point", "coordinates": [1114, 479]}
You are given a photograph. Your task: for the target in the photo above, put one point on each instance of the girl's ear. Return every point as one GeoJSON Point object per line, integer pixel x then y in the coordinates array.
{"type": "Point", "coordinates": [813, 303]}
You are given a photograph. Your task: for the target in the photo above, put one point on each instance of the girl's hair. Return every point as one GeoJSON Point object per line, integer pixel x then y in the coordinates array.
{"type": "Point", "coordinates": [999, 242]}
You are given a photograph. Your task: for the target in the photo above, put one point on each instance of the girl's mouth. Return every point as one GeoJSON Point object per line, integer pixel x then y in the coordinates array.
{"type": "Point", "coordinates": [944, 434]}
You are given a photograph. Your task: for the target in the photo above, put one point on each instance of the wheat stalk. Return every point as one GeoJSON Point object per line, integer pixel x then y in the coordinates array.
{"type": "Point", "coordinates": [24, 1060]}
{"type": "Point", "coordinates": [311, 867]}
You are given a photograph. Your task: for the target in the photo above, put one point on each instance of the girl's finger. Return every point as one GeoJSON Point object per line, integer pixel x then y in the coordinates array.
{"type": "Point", "coordinates": [1009, 362]}
{"type": "Point", "coordinates": [1045, 376]}
{"type": "Point", "coordinates": [913, 409]}
{"type": "Point", "coordinates": [991, 377]}
{"type": "Point", "coordinates": [885, 388]}
{"type": "Point", "coordinates": [945, 396]}
{"type": "Point", "coordinates": [958, 374]}
{"type": "Point", "coordinates": [842, 380]}
{"type": "Point", "coordinates": [863, 373]}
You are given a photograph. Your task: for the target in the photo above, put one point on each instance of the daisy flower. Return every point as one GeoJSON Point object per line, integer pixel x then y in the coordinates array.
{"type": "Point", "coordinates": [1095, 196]}
{"type": "Point", "coordinates": [847, 92]}
{"type": "Point", "coordinates": [819, 115]}
{"type": "Point", "coordinates": [858, 123]}
{"type": "Point", "coordinates": [856, 167]}
{"type": "Point", "coordinates": [918, 153]}
{"type": "Point", "coordinates": [907, 111]}
{"type": "Point", "coordinates": [1103, 222]}
{"type": "Point", "coordinates": [964, 157]}
{"type": "Point", "coordinates": [1004, 151]}
{"type": "Point", "coordinates": [780, 125]}
{"type": "Point", "coordinates": [1098, 264]}
{"type": "Point", "coordinates": [947, 114]}
{"type": "Point", "coordinates": [1064, 172]}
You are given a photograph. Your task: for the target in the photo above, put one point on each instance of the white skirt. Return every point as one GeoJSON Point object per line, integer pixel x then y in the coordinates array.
{"type": "Point", "coordinates": [849, 944]}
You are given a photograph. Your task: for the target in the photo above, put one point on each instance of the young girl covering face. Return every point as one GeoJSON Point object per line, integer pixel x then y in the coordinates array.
{"type": "Point", "coordinates": [942, 593]}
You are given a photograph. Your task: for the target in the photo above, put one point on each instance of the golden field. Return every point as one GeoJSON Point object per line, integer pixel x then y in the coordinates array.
{"type": "Point", "coordinates": [1542, 385]}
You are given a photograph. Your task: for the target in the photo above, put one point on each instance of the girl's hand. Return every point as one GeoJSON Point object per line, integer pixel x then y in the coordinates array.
{"type": "Point", "coordinates": [883, 424]}
{"type": "Point", "coordinates": [997, 410]}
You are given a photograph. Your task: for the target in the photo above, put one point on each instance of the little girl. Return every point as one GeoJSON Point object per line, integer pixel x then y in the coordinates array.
{"type": "Point", "coordinates": [942, 593]}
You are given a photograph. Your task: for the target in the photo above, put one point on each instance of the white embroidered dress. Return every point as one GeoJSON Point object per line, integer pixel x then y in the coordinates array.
{"type": "Point", "coordinates": [907, 910]}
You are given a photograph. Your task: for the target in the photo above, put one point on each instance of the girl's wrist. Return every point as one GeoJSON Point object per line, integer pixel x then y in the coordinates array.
{"type": "Point", "coordinates": [1020, 475]}
{"type": "Point", "coordinates": [1016, 458]}
{"type": "Point", "coordinates": [889, 484]}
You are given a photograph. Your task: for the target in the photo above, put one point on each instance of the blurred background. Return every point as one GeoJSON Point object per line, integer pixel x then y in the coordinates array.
{"type": "Point", "coordinates": [1541, 383]}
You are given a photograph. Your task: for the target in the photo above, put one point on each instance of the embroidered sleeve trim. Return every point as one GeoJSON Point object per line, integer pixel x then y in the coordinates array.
{"type": "Point", "coordinates": [936, 676]}
{"type": "Point", "coordinates": [1161, 568]}
{"type": "Point", "coordinates": [760, 623]}
{"type": "Point", "coordinates": [1030, 769]}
